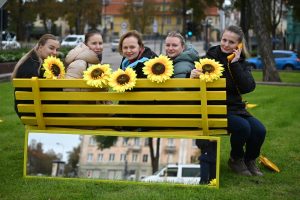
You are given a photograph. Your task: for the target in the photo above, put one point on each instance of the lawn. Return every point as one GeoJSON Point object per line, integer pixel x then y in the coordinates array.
{"type": "Point", "coordinates": [288, 77]}
{"type": "Point", "coordinates": [278, 108]}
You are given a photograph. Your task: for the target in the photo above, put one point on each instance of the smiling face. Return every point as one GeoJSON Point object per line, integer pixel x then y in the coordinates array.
{"type": "Point", "coordinates": [229, 41]}
{"type": "Point", "coordinates": [131, 48]}
{"type": "Point", "coordinates": [50, 48]}
{"type": "Point", "coordinates": [173, 46]}
{"type": "Point", "coordinates": [95, 43]}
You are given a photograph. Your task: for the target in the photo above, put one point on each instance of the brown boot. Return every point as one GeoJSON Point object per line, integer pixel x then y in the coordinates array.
{"type": "Point", "coordinates": [238, 166]}
{"type": "Point", "coordinates": [255, 171]}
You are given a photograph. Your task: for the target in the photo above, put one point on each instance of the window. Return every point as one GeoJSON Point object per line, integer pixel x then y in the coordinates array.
{"type": "Point", "coordinates": [136, 141]}
{"type": "Point", "coordinates": [100, 157]}
{"type": "Point", "coordinates": [171, 142]}
{"type": "Point", "coordinates": [111, 157]}
{"type": "Point", "coordinates": [134, 157]}
{"type": "Point", "coordinates": [147, 141]}
{"type": "Point", "coordinates": [190, 172]}
{"type": "Point", "coordinates": [123, 157]}
{"type": "Point", "coordinates": [145, 158]}
{"type": "Point", "coordinates": [125, 141]}
{"type": "Point", "coordinates": [92, 141]}
{"type": "Point", "coordinates": [90, 157]}
{"type": "Point", "coordinates": [172, 172]}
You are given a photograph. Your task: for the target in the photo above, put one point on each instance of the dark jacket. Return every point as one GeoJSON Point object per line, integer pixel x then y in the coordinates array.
{"type": "Point", "coordinates": [239, 80]}
{"type": "Point", "coordinates": [138, 64]}
{"type": "Point", "coordinates": [184, 63]}
{"type": "Point", "coordinates": [30, 67]}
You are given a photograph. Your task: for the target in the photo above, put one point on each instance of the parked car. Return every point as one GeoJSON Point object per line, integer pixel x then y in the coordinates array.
{"type": "Point", "coordinates": [284, 60]}
{"type": "Point", "coordinates": [9, 41]}
{"type": "Point", "coordinates": [72, 40]}
{"type": "Point", "coordinates": [115, 45]}
{"type": "Point", "coordinates": [173, 173]}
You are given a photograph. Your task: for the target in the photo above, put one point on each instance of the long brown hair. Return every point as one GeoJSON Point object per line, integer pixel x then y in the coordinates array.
{"type": "Point", "coordinates": [42, 41]}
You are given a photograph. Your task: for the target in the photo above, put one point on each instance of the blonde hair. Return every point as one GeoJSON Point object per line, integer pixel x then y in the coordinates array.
{"type": "Point", "coordinates": [238, 30]}
{"type": "Point", "coordinates": [177, 35]}
{"type": "Point", "coordinates": [42, 41]}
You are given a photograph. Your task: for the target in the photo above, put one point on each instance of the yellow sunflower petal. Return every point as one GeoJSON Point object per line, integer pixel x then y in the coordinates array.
{"type": "Point", "coordinates": [54, 68]}
{"type": "Point", "coordinates": [97, 75]}
{"type": "Point", "coordinates": [158, 69]}
{"type": "Point", "coordinates": [121, 81]}
{"type": "Point", "coordinates": [210, 69]}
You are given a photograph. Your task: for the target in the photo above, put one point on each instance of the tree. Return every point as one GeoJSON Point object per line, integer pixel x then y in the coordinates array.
{"type": "Point", "coordinates": [73, 160]}
{"type": "Point", "coordinates": [144, 10]}
{"type": "Point", "coordinates": [199, 8]}
{"type": "Point", "coordinates": [263, 38]}
{"type": "Point", "coordinates": [81, 12]}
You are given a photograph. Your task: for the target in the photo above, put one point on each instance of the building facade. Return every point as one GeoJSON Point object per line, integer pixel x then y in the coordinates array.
{"type": "Point", "coordinates": [130, 159]}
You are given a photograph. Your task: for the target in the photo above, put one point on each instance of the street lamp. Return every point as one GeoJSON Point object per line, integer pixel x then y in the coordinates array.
{"type": "Point", "coordinates": [206, 24]}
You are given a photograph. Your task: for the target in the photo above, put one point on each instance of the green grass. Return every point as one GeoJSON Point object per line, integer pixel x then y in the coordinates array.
{"type": "Point", "coordinates": [288, 77]}
{"type": "Point", "coordinates": [278, 108]}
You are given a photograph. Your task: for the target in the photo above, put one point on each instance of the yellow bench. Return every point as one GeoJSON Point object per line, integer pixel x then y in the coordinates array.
{"type": "Point", "coordinates": [173, 113]}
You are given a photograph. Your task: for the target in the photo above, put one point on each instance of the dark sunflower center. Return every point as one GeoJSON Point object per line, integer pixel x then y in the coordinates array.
{"type": "Point", "coordinates": [96, 73]}
{"type": "Point", "coordinates": [158, 69]}
{"type": "Point", "coordinates": [123, 79]}
{"type": "Point", "coordinates": [208, 68]}
{"type": "Point", "coordinates": [55, 69]}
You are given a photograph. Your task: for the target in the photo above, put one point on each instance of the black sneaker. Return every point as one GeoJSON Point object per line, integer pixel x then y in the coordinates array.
{"type": "Point", "coordinates": [255, 171]}
{"type": "Point", "coordinates": [238, 166]}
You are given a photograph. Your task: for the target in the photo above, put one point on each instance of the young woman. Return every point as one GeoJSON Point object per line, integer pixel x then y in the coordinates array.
{"type": "Point", "coordinates": [183, 56]}
{"type": "Point", "coordinates": [247, 132]}
{"type": "Point", "coordinates": [134, 53]}
{"type": "Point", "coordinates": [84, 55]}
{"type": "Point", "coordinates": [30, 64]}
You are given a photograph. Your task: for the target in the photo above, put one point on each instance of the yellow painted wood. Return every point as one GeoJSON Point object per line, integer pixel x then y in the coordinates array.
{"type": "Point", "coordinates": [136, 96]}
{"type": "Point", "coordinates": [37, 103]}
{"type": "Point", "coordinates": [124, 109]}
{"type": "Point", "coordinates": [144, 83]}
{"type": "Point", "coordinates": [125, 121]}
{"type": "Point", "coordinates": [205, 126]}
{"type": "Point", "coordinates": [204, 115]}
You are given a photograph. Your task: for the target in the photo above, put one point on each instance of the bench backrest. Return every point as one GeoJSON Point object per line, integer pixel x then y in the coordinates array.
{"type": "Point", "coordinates": [196, 105]}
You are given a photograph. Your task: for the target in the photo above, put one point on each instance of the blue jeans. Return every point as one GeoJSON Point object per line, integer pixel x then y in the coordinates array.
{"type": "Point", "coordinates": [245, 131]}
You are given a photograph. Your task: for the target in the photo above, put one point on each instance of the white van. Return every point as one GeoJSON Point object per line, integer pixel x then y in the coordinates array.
{"type": "Point", "coordinates": [72, 40]}
{"type": "Point", "coordinates": [173, 173]}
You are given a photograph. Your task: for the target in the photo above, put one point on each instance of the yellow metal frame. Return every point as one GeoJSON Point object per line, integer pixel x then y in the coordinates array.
{"type": "Point", "coordinates": [122, 134]}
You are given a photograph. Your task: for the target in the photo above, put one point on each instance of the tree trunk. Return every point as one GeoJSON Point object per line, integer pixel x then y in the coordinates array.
{"type": "Point", "coordinates": [154, 158]}
{"type": "Point", "coordinates": [270, 73]}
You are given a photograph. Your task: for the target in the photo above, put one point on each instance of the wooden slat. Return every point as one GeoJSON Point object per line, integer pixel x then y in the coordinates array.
{"type": "Point", "coordinates": [124, 109]}
{"type": "Point", "coordinates": [119, 121]}
{"type": "Point", "coordinates": [141, 83]}
{"type": "Point", "coordinates": [128, 96]}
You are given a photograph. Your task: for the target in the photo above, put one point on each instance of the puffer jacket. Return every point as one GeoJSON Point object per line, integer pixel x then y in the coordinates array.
{"type": "Point", "coordinates": [239, 80]}
{"type": "Point", "coordinates": [184, 63]}
{"type": "Point", "coordinates": [78, 60]}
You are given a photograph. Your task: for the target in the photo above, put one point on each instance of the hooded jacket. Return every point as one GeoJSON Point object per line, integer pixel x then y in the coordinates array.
{"type": "Point", "coordinates": [184, 63]}
{"type": "Point", "coordinates": [239, 80]}
{"type": "Point", "coordinates": [78, 60]}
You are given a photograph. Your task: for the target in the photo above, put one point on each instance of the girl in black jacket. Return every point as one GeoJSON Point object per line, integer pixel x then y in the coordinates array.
{"type": "Point", "coordinates": [247, 132]}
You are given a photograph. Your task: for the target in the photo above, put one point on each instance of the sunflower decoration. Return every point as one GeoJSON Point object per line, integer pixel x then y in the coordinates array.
{"type": "Point", "coordinates": [122, 80]}
{"type": "Point", "coordinates": [97, 75]}
{"type": "Point", "coordinates": [210, 69]}
{"type": "Point", "coordinates": [213, 182]}
{"type": "Point", "coordinates": [54, 68]}
{"type": "Point", "coordinates": [158, 69]}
